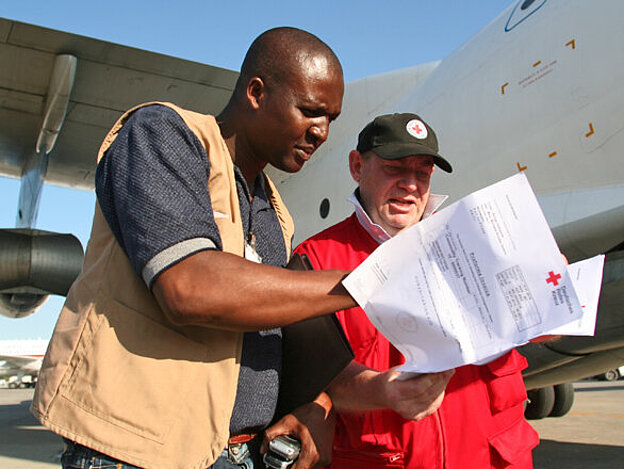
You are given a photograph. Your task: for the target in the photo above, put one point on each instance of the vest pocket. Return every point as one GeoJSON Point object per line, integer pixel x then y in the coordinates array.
{"type": "Point", "coordinates": [514, 444]}
{"type": "Point", "coordinates": [503, 378]}
{"type": "Point", "coordinates": [131, 371]}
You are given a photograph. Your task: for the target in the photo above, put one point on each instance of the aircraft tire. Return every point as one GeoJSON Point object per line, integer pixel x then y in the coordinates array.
{"type": "Point", "coordinates": [611, 375]}
{"type": "Point", "coordinates": [564, 399]}
{"type": "Point", "coordinates": [541, 403]}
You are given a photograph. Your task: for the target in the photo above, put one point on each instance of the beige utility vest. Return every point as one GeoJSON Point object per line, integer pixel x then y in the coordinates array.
{"type": "Point", "coordinates": [117, 376]}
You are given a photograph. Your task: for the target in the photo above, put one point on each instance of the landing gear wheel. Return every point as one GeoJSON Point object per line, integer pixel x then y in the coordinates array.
{"type": "Point", "coordinates": [611, 375]}
{"type": "Point", "coordinates": [564, 398]}
{"type": "Point", "coordinates": [541, 403]}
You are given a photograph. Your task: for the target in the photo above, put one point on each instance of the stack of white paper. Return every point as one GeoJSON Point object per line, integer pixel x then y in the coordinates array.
{"type": "Point", "coordinates": [475, 280]}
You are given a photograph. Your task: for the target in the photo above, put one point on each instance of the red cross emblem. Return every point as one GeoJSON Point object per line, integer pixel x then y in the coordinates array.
{"type": "Point", "coordinates": [553, 278]}
{"type": "Point", "coordinates": [416, 129]}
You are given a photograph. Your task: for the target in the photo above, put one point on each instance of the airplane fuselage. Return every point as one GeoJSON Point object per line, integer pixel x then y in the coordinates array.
{"type": "Point", "coordinates": [539, 90]}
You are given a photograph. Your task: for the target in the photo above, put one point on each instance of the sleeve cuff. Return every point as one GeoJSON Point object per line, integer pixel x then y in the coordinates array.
{"type": "Point", "coordinates": [173, 254]}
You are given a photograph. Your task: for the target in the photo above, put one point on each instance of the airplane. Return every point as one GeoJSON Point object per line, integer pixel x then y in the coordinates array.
{"type": "Point", "coordinates": [539, 90]}
{"type": "Point", "coordinates": [60, 94]}
{"type": "Point", "coordinates": [21, 359]}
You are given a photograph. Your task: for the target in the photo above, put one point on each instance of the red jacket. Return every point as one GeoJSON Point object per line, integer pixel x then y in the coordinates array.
{"type": "Point", "coordinates": [480, 423]}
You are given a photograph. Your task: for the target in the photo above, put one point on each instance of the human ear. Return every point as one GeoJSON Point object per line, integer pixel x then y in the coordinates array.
{"type": "Point", "coordinates": [255, 92]}
{"type": "Point", "coordinates": [355, 165]}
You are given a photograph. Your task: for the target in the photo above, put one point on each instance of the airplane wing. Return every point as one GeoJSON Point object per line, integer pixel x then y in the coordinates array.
{"type": "Point", "coordinates": [18, 362]}
{"type": "Point", "coordinates": [109, 79]}
{"type": "Point", "coordinates": [59, 95]}
{"type": "Point", "coordinates": [21, 357]}
{"type": "Point", "coordinates": [12, 366]}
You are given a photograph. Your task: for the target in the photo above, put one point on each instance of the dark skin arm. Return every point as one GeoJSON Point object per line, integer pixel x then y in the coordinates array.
{"type": "Point", "coordinates": [545, 339]}
{"type": "Point", "coordinates": [223, 291]}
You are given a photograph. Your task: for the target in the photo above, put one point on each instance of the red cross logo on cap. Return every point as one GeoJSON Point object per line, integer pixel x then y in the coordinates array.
{"type": "Point", "coordinates": [553, 278]}
{"type": "Point", "coordinates": [417, 129]}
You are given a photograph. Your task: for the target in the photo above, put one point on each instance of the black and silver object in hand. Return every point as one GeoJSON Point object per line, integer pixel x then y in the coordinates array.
{"type": "Point", "coordinates": [283, 451]}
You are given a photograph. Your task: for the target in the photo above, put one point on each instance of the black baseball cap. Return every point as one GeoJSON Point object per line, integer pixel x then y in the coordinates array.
{"type": "Point", "coordinates": [395, 136]}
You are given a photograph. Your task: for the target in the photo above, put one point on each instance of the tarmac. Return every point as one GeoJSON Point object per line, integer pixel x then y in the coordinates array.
{"type": "Point", "coordinates": [590, 436]}
{"type": "Point", "coordinates": [24, 443]}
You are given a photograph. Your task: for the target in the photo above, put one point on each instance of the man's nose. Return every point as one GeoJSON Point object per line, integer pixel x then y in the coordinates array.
{"type": "Point", "coordinates": [320, 130]}
{"type": "Point", "coordinates": [408, 182]}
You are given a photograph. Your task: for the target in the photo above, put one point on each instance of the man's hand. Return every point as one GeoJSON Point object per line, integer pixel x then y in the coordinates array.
{"type": "Point", "coordinates": [414, 398]}
{"type": "Point", "coordinates": [359, 388]}
{"type": "Point", "coordinates": [313, 425]}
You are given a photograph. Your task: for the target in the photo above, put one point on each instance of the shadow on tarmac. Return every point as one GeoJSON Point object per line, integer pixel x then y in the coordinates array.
{"type": "Point", "coordinates": [558, 455]}
{"type": "Point", "coordinates": [25, 438]}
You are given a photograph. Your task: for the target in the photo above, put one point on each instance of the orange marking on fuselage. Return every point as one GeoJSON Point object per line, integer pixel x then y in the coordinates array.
{"type": "Point", "coordinates": [591, 130]}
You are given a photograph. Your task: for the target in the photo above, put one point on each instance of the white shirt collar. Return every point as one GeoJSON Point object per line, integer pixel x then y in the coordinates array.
{"type": "Point", "coordinates": [377, 232]}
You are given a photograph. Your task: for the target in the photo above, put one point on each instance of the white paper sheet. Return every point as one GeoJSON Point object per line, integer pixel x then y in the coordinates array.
{"type": "Point", "coordinates": [469, 283]}
{"type": "Point", "coordinates": [586, 277]}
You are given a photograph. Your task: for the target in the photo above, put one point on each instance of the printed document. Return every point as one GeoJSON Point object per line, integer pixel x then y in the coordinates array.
{"type": "Point", "coordinates": [586, 277]}
{"type": "Point", "coordinates": [471, 282]}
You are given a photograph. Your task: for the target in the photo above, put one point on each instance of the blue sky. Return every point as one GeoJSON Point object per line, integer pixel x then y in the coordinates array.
{"type": "Point", "coordinates": [369, 37]}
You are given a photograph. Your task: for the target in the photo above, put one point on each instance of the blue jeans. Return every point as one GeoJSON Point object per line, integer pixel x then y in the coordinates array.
{"type": "Point", "coordinates": [77, 456]}
{"type": "Point", "coordinates": [243, 456]}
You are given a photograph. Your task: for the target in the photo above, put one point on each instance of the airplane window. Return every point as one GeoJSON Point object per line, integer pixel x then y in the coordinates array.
{"type": "Point", "coordinates": [527, 4]}
{"type": "Point", "coordinates": [324, 208]}
{"type": "Point", "coordinates": [522, 11]}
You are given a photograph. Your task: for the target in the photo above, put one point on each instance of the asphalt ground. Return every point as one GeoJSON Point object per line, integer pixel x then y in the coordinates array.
{"type": "Point", "coordinates": [590, 436]}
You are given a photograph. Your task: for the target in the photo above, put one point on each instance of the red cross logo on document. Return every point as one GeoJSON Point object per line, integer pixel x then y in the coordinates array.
{"type": "Point", "coordinates": [416, 129]}
{"type": "Point", "coordinates": [553, 278]}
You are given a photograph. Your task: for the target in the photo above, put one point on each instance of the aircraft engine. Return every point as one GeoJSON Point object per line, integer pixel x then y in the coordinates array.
{"type": "Point", "coordinates": [33, 265]}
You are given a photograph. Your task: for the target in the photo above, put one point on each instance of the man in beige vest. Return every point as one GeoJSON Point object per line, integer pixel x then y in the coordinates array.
{"type": "Point", "coordinates": [167, 353]}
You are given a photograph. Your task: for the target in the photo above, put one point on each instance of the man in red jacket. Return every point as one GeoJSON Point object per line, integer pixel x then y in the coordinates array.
{"type": "Point", "coordinates": [480, 422]}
